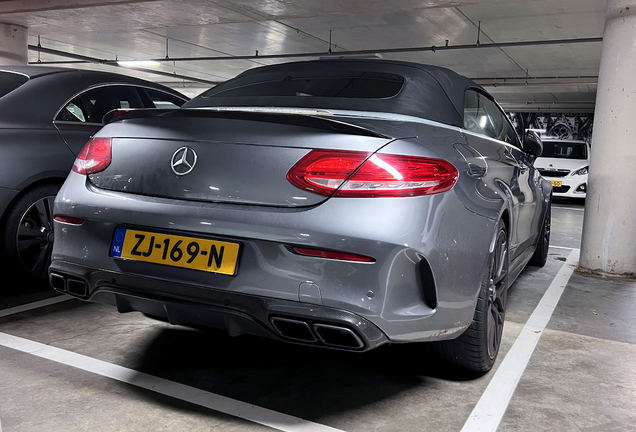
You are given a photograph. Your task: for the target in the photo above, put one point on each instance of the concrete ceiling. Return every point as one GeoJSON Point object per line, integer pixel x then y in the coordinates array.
{"type": "Point", "coordinates": [528, 77]}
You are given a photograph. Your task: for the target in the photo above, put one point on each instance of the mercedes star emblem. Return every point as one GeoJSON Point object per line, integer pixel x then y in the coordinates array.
{"type": "Point", "coordinates": [183, 161]}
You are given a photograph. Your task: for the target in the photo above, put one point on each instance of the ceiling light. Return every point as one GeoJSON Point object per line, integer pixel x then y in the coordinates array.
{"type": "Point", "coordinates": [137, 63]}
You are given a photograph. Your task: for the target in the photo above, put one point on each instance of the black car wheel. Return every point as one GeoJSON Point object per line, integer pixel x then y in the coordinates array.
{"type": "Point", "coordinates": [477, 348]}
{"type": "Point", "coordinates": [27, 232]}
{"type": "Point", "coordinates": [540, 256]}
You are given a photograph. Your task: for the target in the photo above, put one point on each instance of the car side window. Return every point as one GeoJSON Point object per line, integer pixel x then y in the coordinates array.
{"type": "Point", "coordinates": [503, 129]}
{"type": "Point", "coordinates": [72, 112]}
{"type": "Point", "coordinates": [93, 104]}
{"type": "Point", "coordinates": [476, 118]}
{"type": "Point", "coordinates": [483, 116]}
{"type": "Point", "coordinates": [161, 99]}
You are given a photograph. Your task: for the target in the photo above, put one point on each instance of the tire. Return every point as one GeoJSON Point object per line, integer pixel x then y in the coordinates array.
{"type": "Point", "coordinates": [540, 256]}
{"type": "Point", "coordinates": [26, 233]}
{"type": "Point", "coordinates": [477, 348]}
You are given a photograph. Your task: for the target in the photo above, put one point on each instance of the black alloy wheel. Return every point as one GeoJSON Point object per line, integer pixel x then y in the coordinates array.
{"type": "Point", "coordinates": [546, 231]}
{"type": "Point", "coordinates": [476, 349]}
{"type": "Point", "coordinates": [497, 293]}
{"type": "Point", "coordinates": [27, 232]}
{"type": "Point", "coordinates": [540, 256]}
{"type": "Point", "coordinates": [34, 239]}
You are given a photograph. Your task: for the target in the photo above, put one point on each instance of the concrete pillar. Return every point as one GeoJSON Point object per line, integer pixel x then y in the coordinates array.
{"type": "Point", "coordinates": [13, 44]}
{"type": "Point", "coordinates": [609, 228]}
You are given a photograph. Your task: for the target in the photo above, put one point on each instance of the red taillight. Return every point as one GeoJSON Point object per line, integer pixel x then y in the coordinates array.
{"type": "Point", "coordinates": [323, 171]}
{"type": "Point", "coordinates": [355, 174]}
{"type": "Point", "coordinates": [94, 157]}
{"type": "Point", "coordinates": [69, 220]}
{"type": "Point", "coordinates": [332, 255]}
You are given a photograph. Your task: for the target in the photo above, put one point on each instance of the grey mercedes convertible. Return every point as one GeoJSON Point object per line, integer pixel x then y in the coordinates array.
{"type": "Point", "coordinates": [337, 203]}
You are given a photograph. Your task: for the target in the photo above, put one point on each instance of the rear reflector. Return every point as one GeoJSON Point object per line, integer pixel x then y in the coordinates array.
{"type": "Point", "coordinates": [94, 157]}
{"type": "Point", "coordinates": [69, 220]}
{"type": "Point", "coordinates": [332, 255]}
{"type": "Point", "coordinates": [354, 174]}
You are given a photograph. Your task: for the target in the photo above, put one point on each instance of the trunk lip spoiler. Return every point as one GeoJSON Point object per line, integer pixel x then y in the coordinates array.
{"type": "Point", "coordinates": [269, 110]}
{"type": "Point", "coordinates": [321, 118]}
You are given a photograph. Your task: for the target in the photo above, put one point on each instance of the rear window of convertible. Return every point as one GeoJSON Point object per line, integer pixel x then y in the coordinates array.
{"type": "Point", "coordinates": [357, 86]}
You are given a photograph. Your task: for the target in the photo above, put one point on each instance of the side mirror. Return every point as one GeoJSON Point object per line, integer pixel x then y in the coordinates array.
{"type": "Point", "coordinates": [533, 143]}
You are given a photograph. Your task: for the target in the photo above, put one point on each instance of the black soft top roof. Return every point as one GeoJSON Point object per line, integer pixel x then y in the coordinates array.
{"type": "Point", "coordinates": [429, 92]}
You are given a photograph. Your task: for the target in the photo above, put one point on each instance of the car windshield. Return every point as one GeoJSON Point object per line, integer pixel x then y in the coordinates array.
{"type": "Point", "coordinates": [363, 86]}
{"type": "Point", "coordinates": [565, 150]}
{"type": "Point", "coordinates": [10, 81]}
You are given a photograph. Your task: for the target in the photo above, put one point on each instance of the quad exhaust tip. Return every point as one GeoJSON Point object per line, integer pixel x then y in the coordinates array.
{"type": "Point", "coordinates": [294, 329]}
{"type": "Point", "coordinates": [58, 282]}
{"type": "Point", "coordinates": [328, 334]}
{"type": "Point", "coordinates": [338, 336]}
{"type": "Point", "coordinates": [68, 285]}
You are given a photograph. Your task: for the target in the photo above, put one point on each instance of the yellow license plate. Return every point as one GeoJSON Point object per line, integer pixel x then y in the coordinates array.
{"type": "Point", "coordinates": [556, 183]}
{"type": "Point", "coordinates": [178, 251]}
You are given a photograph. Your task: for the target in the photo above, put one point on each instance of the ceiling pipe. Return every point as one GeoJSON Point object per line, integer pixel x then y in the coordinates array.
{"type": "Point", "coordinates": [562, 77]}
{"type": "Point", "coordinates": [345, 54]}
{"type": "Point", "coordinates": [538, 84]}
{"type": "Point", "coordinates": [432, 48]}
{"type": "Point", "coordinates": [60, 62]}
{"type": "Point", "coordinates": [86, 59]}
{"type": "Point", "coordinates": [517, 81]}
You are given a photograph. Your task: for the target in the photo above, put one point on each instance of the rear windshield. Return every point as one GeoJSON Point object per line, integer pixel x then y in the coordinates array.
{"type": "Point", "coordinates": [359, 86]}
{"type": "Point", "coordinates": [565, 150]}
{"type": "Point", "coordinates": [341, 85]}
{"type": "Point", "coordinates": [10, 81]}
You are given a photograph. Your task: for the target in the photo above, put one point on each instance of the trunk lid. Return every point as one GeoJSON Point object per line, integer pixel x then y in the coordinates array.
{"type": "Point", "coordinates": [234, 157]}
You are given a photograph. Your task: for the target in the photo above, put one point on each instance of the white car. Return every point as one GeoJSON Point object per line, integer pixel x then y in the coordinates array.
{"type": "Point", "coordinates": [565, 163]}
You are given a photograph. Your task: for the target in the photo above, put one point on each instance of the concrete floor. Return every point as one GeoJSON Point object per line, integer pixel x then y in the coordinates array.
{"type": "Point", "coordinates": [581, 377]}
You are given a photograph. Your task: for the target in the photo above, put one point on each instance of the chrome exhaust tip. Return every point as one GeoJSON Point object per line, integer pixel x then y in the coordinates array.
{"type": "Point", "coordinates": [77, 287]}
{"type": "Point", "coordinates": [336, 336]}
{"type": "Point", "coordinates": [58, 282]}
{"type": "Point", "coordinates": [293, 329]}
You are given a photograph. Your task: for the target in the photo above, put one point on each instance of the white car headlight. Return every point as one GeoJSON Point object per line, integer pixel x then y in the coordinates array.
{"type": "Point", "coordinates": [581, 171]}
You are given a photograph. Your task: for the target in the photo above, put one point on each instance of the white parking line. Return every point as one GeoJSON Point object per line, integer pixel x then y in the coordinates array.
{"type": "Point", "coordinates": [492, 405]}
{"type": "Point", "coordinates": [34, 305]}
{"type": "Point", "coordinates": [568, 208]}
{"type": "Point", "coordinates": [562, 247]}
{"type": "Point", "coordinates": [233, 407]}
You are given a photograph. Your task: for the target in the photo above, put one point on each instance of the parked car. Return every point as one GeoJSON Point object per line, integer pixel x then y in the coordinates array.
{"type": "Point", "coordinates": [564, 163]}
{"type": "Point", "coordinates": [344, 204]}
{"type": "Point", "coordinates": [46, 117]}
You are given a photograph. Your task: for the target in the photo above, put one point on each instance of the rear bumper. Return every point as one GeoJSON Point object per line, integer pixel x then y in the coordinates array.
{"type": "Point", "coordinates": [422, 287]}
{"type": "Point", "coordinates": [237, 313]}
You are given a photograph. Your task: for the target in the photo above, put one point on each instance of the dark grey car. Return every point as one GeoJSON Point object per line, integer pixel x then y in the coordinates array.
{"type": "Point", "coordinates": [46, 117]}
{"type": "Point", "coordinates": [344, 204]}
